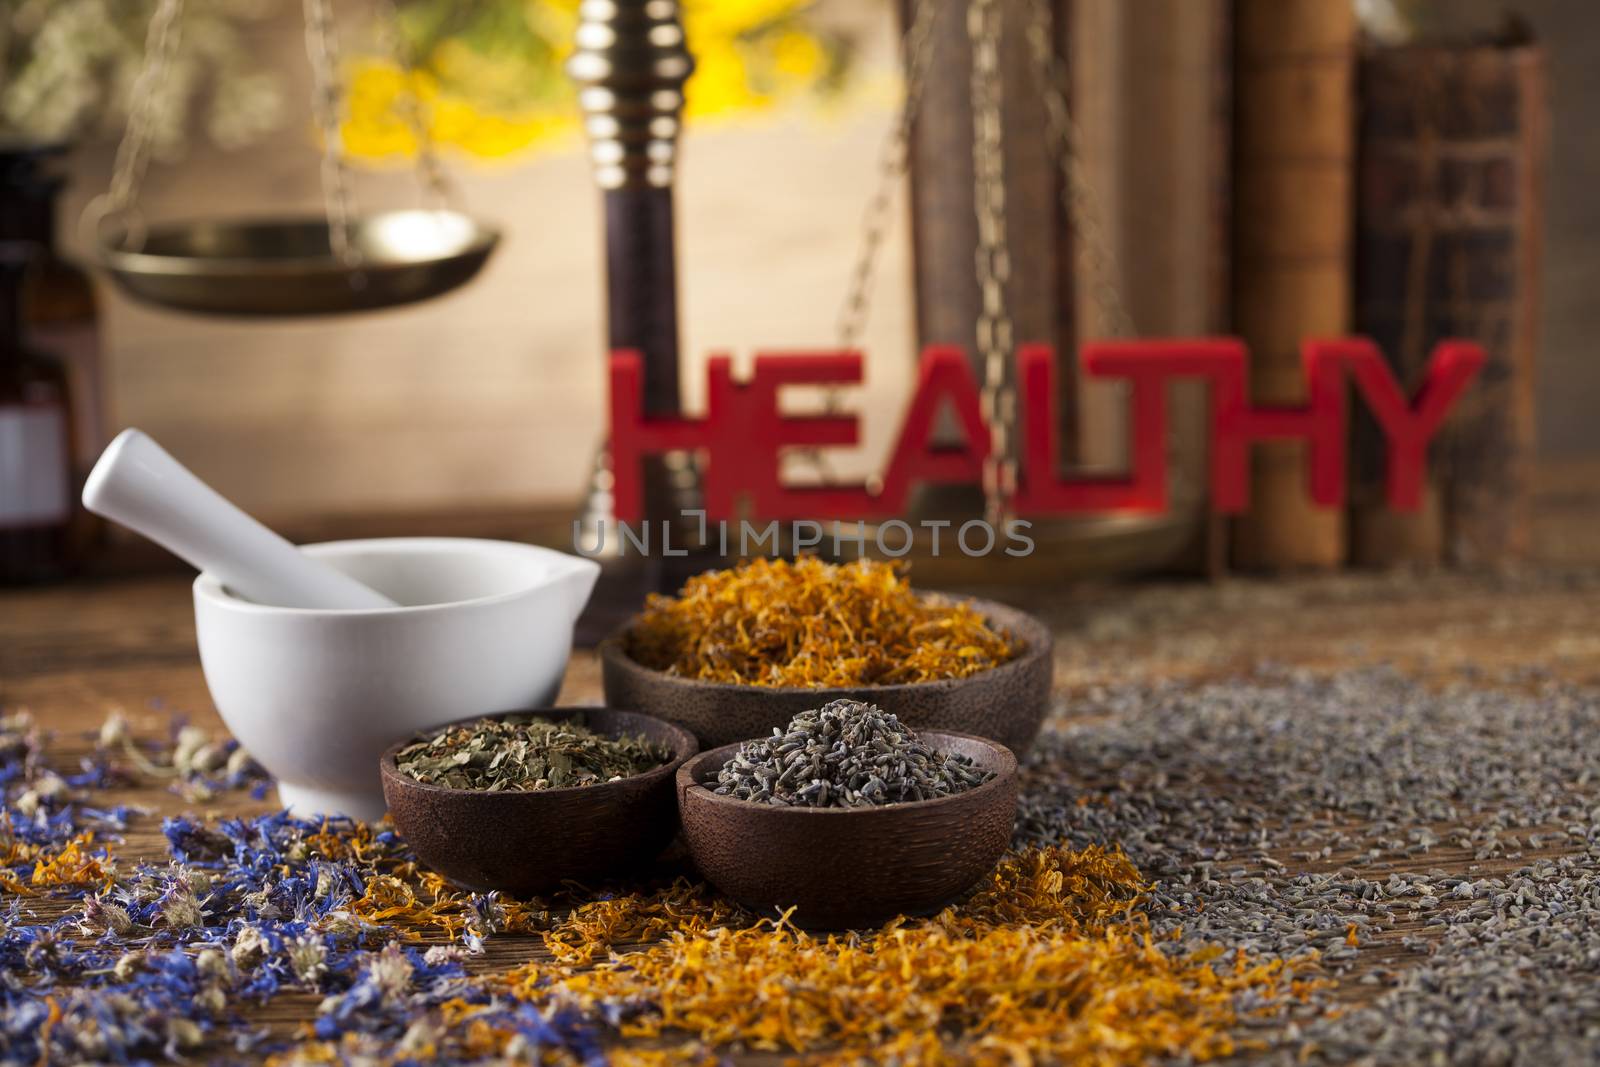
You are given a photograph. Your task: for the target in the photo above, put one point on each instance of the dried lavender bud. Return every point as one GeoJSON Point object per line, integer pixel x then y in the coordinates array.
{"type": "Point", "coordinates": [844, 754]}
{"type": "Point", "coordinates": [521, 753]}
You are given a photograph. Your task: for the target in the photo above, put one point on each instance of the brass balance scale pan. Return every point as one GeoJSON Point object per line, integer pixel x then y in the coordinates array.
{"type": "Point", "coordinates": [283, 267]}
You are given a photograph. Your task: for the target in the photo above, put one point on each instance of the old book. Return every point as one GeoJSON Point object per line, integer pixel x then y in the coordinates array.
{"type": "Point", "coordinates": [1452, 149]}
{"type": "Point", "coordinates": [1293, 131]}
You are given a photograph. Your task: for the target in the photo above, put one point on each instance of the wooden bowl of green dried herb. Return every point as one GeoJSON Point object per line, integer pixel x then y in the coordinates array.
{"type": "Point", "coordinates": [848, 817]}
{"type": "Point", "coordinates": [523, 801]}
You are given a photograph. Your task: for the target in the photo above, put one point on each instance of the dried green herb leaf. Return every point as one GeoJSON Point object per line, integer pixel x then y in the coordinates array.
{"type": "Point", "coordinates": [523, 752]}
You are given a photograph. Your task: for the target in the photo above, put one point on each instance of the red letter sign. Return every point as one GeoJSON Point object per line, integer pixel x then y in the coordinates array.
{"type": "Point", "coordinates": [742, 438]}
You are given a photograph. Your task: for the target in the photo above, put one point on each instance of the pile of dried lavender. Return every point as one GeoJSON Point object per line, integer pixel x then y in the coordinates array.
{"type": "Point", "coordinates": [1288, 812]}
{"type": "Point", "coordinates": [841, 755]}
{"type": "Point", "coordinates": [518, 753]}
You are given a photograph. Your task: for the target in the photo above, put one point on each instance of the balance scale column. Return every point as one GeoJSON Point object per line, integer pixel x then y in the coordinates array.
{"type": "Point", "coordinates": [630, 66]}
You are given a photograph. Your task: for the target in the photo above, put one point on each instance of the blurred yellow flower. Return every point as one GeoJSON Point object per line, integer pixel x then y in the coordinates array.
{"type": "Point", "coordinates": [798, 55]}
{"type": "Point", "coordinates": [720, 84]}
{"type": "Point", "coordinates": [492, 85]}
{"type": "Point", "coordinates": [377, 126]}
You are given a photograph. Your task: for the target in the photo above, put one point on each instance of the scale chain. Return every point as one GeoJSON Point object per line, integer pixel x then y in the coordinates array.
{"type": "Point", "coordinates": [992, 258]}
{"type": "Point", "coordinates": [436, 184]}
{"type": "Point", "coordinates": [916, 52]}
{"type": "Point", "coordinates": [133, 151]}
{"type": "Point", "coordinates": [1078, 198]}
{"type": "Point", "coordinates": [993, 331]}
{"type": "Point", "coordinates": [163, 36]}
{"type": "Point", "coordinates": [323, 52]}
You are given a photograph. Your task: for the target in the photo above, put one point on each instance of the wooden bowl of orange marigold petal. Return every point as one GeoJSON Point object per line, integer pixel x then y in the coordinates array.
{"type": "Point", "coordinates": [737, 653]}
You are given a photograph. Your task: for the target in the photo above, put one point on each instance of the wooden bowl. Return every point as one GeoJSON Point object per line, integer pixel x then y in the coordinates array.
{"type": "Point", "coordinates": [1006, 703]}
{"type": "Point", "coordinates": [532, 841]}
{"type": "Point", "coordinates": [850, 867]}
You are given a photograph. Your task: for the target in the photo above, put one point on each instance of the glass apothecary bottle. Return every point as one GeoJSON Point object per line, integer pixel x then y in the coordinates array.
{"type": "Point", "coordinates": [48, 377]}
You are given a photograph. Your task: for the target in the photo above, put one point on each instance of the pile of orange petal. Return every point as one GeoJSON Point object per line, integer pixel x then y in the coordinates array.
{"type": "Point", "coordinates": [1050, 960]}
{"type": "Point", "coordinates": [810, 623]}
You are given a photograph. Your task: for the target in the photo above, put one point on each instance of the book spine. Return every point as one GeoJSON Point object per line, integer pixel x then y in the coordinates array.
{"type": "Point", "coordinates": [1451, 145]}
{"type": "Point", "coordinates": [1294, 127]}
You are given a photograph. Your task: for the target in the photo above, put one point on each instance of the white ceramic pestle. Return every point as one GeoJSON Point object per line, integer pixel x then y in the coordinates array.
{"type": "Point", "coordinates": [138, 484]}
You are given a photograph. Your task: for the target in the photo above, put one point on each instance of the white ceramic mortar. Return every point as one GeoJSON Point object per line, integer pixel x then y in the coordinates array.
{"type": "Point", "coordinates": [317, 695]}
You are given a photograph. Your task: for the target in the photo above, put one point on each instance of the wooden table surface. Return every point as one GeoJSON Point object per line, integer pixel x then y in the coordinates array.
{"type": "Point", "coordinates": [73, 653]}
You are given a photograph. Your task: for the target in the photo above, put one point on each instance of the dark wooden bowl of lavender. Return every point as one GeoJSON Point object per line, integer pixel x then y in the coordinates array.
{"type": "Point", "coordinates": [531, 841]}
{"type": "Point", "coordinates": [1006, 703]}
{"type": "Point", "coordinates": [843, 868]}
